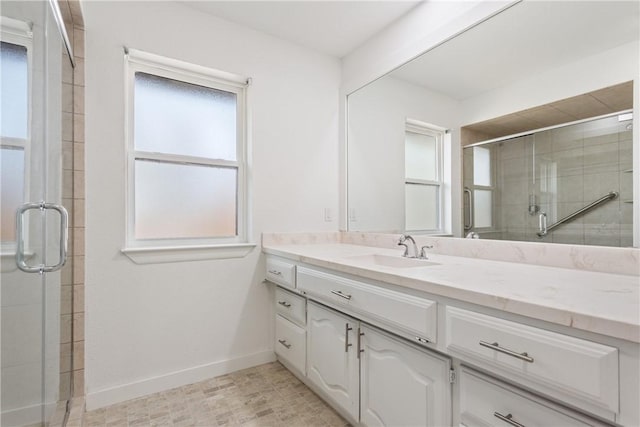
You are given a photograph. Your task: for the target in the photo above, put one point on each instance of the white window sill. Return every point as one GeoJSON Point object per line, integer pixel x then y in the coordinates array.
{"type": "Point", "coordinates": [163, 254]}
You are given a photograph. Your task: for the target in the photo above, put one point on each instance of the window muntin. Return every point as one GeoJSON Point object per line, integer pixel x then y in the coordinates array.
{"type": "Point", "coordinates": [187, 154]}
{"type": "Point", "coordinates": [423, 178]}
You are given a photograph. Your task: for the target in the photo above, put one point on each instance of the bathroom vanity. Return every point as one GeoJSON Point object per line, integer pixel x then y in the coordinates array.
{"type": "Point", "coordinates": [452, 340]}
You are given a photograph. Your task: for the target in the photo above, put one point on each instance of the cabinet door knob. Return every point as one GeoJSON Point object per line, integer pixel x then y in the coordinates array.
{"type": "Point", "coordinates": [508, 419]}
{"type": "Point", "coordinates": [284, 303]}
{"type": "Point", "coordinates": [284, 343]}
{"type": "Point", "coordinates": [275, 272]}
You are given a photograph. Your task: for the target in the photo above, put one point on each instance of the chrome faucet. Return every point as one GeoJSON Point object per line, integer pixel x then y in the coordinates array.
{"type": "Point", "coordinates": [402, 242]}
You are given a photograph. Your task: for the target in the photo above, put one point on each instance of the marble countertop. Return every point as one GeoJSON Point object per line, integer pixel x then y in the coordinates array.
{"type": "Point", "coordinates": [603, 303]}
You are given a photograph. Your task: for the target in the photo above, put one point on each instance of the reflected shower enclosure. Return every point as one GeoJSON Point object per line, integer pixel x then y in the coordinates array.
{"type": "Point", "coordinates": [535, 187]}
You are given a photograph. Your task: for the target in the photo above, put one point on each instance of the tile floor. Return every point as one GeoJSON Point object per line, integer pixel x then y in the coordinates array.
{"type": "Point", "coordinates": [266, 395]}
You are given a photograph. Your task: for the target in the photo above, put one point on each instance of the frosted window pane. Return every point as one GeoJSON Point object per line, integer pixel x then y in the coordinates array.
{"type": "Point", "coordinates": [420, 157]}
{"type": "Point", "coordinates": [174, 117]}
{"type": "Point", "coordinates": [12, 190]}
{"type": "Point", "coordinates": [421, 207]}
{"type": "Point", "coordinates": [184, 201]}
{"type": "Point", "coordinates": [482, 208]}
{"type": "Point", "coordinates": [14, 90]}
{"type": "Point", "coordinates": [481, 166]}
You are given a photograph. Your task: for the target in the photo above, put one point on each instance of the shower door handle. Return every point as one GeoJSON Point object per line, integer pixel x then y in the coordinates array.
{"type": "Point", "coordinates": [469, 226]}
{"type": "Point", "coordinates": [64, 237]}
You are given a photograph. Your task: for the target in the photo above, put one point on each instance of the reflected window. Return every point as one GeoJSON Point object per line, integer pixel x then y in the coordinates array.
{"type": "Point", "coordinates": [14, 132]}
{"type": "Point", "coordinates": [186, 155]}
{"type": "Point", "coordinates": [482, 188]}
{"type": "Point", "coordinates": [423, 178]}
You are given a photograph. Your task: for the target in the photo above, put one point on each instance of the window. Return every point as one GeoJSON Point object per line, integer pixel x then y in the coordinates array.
{"type": "Point", "coordinates": [423, 177]}
{"type": "Point", "coordinates": [482, 188]}
{"type": "Point", "coordinates": [15, 54]}
{"type": "Point", "coordinates": [186, 138]}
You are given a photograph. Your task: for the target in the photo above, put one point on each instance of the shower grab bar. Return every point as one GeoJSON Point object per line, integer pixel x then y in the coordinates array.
{"type": "Point", "coordinates": [469, 226]}
{"type": "Point", "coordinates": [609, 196]}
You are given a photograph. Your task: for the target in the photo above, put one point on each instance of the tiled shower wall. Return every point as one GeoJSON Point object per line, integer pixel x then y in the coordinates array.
{"type": "Point", "coordinates": [72, 310]}
{"type": "Point", "coordinates": [566, 169]}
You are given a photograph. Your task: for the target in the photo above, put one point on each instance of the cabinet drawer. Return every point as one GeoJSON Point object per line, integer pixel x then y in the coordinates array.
{"type": "Point", "coordinates": [291, 306]}
{"type": "Point", "coordinates": [559, 363]}
{"type": "Point", "coordinates": [485, 401]}
{"type": "Point", "coordinates": [282, 272]}
{"type": "Point", "coordinates": [290, 343]}
{"type": "Point", "coordinates": [398, 310]}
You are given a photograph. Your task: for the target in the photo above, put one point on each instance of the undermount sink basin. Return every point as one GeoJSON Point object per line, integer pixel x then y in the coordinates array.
{"type": "Point", "coordinates": [391, 261]}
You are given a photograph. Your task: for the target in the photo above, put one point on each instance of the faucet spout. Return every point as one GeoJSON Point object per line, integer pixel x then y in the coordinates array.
{"type": "Point", "coordinates": [403, 242]}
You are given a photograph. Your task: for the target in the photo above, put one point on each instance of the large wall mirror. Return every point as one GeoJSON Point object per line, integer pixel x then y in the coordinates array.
{"type": "Point", "coordinates": [520, 128]}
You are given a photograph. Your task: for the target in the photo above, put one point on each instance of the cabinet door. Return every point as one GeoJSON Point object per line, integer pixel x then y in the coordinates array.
{"type": "Point", "coordinates": [402, 385]}
{"type": "Point", "coordinates": [332, 363]}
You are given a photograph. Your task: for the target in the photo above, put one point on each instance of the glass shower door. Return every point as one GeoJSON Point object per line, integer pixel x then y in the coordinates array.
{"type": "Point", "coordinates": [33, 223]}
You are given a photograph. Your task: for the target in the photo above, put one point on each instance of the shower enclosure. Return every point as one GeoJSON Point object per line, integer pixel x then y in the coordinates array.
{"type": "Point", "coordinates": [567, 184]}
{"type": "Point", "coordinates": [35, 386]}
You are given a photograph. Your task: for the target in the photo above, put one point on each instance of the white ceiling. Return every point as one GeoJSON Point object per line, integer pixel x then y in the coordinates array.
{"type": "Point", "coordinates": [524, 40]}
{"type": "Point", "coordinates": [332, 27]}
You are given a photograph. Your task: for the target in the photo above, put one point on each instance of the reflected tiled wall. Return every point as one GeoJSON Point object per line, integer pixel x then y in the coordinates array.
{"type": "Point", "coordinates": [72, 312]}
{"type": "Point", "coordinates": [566, 169]}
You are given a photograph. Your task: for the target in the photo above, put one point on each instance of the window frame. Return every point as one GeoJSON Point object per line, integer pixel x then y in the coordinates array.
{"type": "Point", "coordinates": [138, 61]}
{"type": "Point", "coordinates": [414, 126]}
{"type": "Point", "coordinates": [20, 33]}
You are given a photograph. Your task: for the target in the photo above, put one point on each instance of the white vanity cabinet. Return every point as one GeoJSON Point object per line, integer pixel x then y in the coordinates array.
{"type": "Point", "coordinates": [384, 357]}
{"type": "Point", "coordinates": [401, 385]}
{"type": "Point", "coordinates": [332, 359]}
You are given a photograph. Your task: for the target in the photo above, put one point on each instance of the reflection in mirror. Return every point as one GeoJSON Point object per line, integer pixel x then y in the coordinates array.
{"type": "Point", "coordinates": [535, 187]}
{"type": "Point", "coordinates": [533, 66]}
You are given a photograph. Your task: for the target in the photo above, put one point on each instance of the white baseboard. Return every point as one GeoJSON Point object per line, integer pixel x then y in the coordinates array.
{"type": "Point", "coordinates": [110, 396]}
{"type": "Point", "coordinates": [27, 415]}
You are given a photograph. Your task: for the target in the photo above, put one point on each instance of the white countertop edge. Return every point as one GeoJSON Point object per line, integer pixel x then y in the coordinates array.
{"type": "Point", "coordinates": [598, 324]}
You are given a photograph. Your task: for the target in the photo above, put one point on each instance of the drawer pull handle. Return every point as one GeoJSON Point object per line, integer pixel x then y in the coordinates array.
{"type": "Point", "coordinates": [508, 419]}
{"type": "Point", "coordinates": [284, 343]}
{"type": "Point", "coordinates": [495, 346]}
{"type": "Point", "coordinates": [284, 303]}
{"type": "Point", "coordinates": [341, 295]}
{"type": "Point", "coordinates": [275, 272]}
